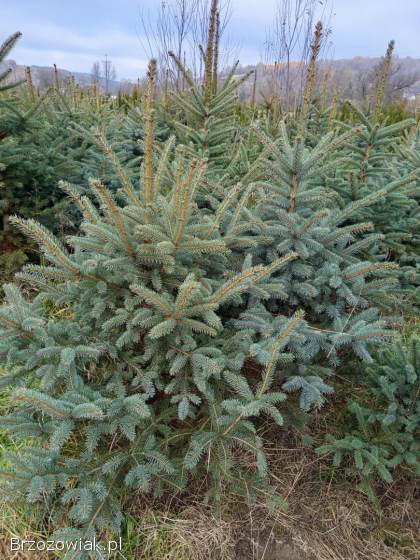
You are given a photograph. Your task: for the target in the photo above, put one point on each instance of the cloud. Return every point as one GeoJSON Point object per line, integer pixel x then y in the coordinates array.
{"type": "Point", "coordinates": [77, 33]}
{"type": "Point", "coordinates": [94, 41]}
{"type": "Point", "coordinates": [364, 27]}
{"type": "Point", "coordinates": [51, 34]}
{"type": "Point", "coordinates": [45, 44]}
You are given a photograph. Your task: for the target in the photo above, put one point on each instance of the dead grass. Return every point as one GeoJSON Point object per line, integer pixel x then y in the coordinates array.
{"type": "Point", "coordinates": [326, 518]}
{"type": "Point", "coordinates": [23, 523]}
{"type": "Point", "coordinates": [185, 534]}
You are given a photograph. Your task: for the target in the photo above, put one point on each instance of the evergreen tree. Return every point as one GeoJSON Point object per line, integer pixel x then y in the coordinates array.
{"type": "Point", "coordinates": [384, 431]}
{"type": "Point", "coordinates": [374, 160]}
{"type": "Point", "coordinates": [208, 124]}
{"type": "Point", "coordinates": [128, 355]}
{"type": "Point", "coordinates": [5, 49]}
{"type": "Point", "coordinates": [135, 355]}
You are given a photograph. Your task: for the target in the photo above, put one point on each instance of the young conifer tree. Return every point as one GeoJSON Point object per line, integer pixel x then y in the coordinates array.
{"type": "Point", "coordinates": [38, 148]}
{"type": "Point", "coordinates": [330, 279]}
{"type": "Point", "coordinates": [32, 150]}
{"type": "Point", "coordinates": [374, 162]}
{"type": "Point", "coordinates": [129, 357]}
{"type": "Point", "coordinates": [384, 426]}
{"type": "Point", "coordinates": [403, 227]}
{"type": "Point", "coordinates": [126, 374]}
{"type": "Point", "coordinates": [208, 123]}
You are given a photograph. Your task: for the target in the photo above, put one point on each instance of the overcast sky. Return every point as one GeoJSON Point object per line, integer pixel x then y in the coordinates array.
{"type": "Point", "coordinates": [75, 33]}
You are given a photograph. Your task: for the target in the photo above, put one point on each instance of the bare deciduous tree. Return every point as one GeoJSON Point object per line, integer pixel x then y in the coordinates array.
{"type": "Point", "coordinates": [181, 27]}
{"type": "Point", "coordinates": [95, 72]}
{"type": "Point", "coordinates": [108, 72]}
{"type": "Point", "coordinates": [288, 43]}
{"type": "Point", "coordinates": [400, 80]}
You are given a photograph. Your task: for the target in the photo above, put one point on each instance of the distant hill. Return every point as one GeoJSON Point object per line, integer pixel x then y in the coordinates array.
{"type": "Point", "coordinates": [42, 77]}
{"type": "Point", "coordinates": [352, 76]}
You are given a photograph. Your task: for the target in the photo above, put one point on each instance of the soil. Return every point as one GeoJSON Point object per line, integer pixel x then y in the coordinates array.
{"type": "Point", "coordinates": [267, 547]}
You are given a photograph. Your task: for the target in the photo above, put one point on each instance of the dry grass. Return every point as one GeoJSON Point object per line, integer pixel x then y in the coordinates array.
{"type": "Point", "coordinates": [19, 523]}
{"type": "Point", "coordinates": [185, 534]}
{"type": "Point", "coordinates": [326, 519]}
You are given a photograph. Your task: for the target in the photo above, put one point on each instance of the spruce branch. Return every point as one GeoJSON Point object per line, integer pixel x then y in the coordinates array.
{"type": "Point", "coordinates": [149, 135]}
{"type": "Point", "coordinates": [82, 202]}
{"type": "Point", "coordinates": [48, 243]}
{"type": "Point", "coordinates": [310, 80]}
{"type": "Point", "coordinates": [53, 407]}
{"type": "Point", "coordinates": [164, 163]}
{"type": "Point", "coordinates": [277, 345]}
{"type": "Point", "coordinates": [128, 187]}
{"type": "Point", "coordinates": [382, 81]}
{"type": "Point", "coordinates": [29, 83]}
{"type": "Point", "coordinates": [210, 53]}
{"type": "Point", "coordinates": [8, 44]}
{"type": "Point", "coordinates": [112, 212]}
{"type": "Point", "coordinates": [251, 276]}
{"type": "Point", "coordinates": [216, 54]}
{"type": "Point", "coordinates": [267, 377]}
{"type": "Point", "coordinates": [5, 48]}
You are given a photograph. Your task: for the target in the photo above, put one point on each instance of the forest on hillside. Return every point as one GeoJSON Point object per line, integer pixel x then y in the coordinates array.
{"type": "Point", "coordinates": [209, 317]}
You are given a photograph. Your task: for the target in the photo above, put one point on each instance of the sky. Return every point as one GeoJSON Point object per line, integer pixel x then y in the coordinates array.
{"type": "Point", "coordinates": [74, 34]}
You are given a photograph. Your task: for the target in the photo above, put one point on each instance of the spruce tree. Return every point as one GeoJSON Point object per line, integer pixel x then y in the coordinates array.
{"type": "Point", "coordinates": [129, 354]}
{"type": "Point", "coordinates": [208, 123]}
{"type": "Point", "coordinates": [375, 159]}
{"type": "Point", "coordinates": [137, 378]}
{"type": "Point", "coordinates": [383, 433]}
